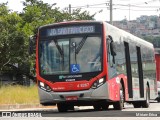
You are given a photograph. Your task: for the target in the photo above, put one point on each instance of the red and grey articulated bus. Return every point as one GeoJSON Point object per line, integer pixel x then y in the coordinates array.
{"type": "Point", "coordinates": [91, 63]}
{"type": "Point", "coordinates": [157, 55]}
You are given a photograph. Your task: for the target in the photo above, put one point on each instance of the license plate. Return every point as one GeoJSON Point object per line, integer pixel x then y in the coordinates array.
{"type": "Point", "coordinates": [69, 98]}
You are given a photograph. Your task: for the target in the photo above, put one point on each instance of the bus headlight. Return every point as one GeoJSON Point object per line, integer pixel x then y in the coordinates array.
{"type": "Point", "coordinates": [44, 86]}
{"type": "Point", "coordinates": [98, 83]}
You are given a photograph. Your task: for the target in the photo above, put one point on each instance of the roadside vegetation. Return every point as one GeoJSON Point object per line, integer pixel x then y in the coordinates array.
{"type": "Point", "coordinates": [19, 95]}
{"type": "Point", "coordinates": [15, 30]}
{"type": "Point", "coordinates": [16, 27]}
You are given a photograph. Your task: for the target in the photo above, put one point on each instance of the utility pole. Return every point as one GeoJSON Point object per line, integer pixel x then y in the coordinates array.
{"type": "Point", "coordinates": [129, 9]}
{"type": "Point", "coordinates": [111, 13]}
{"type": "Point", "coordinates": [129, 12]}
{"type": "Point", "coordinates": [69, 8]}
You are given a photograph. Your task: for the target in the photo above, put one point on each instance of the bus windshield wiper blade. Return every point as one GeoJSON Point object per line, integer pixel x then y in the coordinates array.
{"type": "Point", "coordinates": [62, 57]}
{"type": "Point", "coordinates": [59, 48]}
{"type": "Point", "coordinates": [80, 45]}
{"type": "Point", "coordinates": [61, 51]}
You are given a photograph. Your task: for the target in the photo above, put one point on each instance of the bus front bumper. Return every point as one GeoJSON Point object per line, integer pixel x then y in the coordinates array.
{"type": "Point", "coordinates": [51, 98]}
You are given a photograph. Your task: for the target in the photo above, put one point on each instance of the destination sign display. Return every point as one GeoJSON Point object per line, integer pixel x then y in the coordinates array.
{"type": "Point", "coordinates": [70, 30]}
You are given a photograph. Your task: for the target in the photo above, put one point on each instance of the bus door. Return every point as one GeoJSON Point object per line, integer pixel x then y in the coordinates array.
{"type": "Point", "coordinates": [140, 72]}
{"type": "Point", "coordinates": [128, 69]}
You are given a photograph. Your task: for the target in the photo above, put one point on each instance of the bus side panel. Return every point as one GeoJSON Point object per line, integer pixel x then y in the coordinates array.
{"type": "Point", "coordinates": [118, 70]}
{"type": "Point", "coordinates": [114, 87]}
{"type": "Point", "coordinates": [158, 66]}
{"type": "Point", "coordinates": [149, 71]}
{"type": "Point", "coordinates": [157, 57]}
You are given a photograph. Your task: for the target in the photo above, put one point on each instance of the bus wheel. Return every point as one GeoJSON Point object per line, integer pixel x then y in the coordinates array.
{"type": "Point", "coordinates": [70, 107]}
{"type": "Point", "coordinates": [97, 107]}
{"type": "Point", "coordinates": [137, 105]}
{"type": "Point", "coordinates": [105, 107]}
{"type": "Point", "coordinates": [120, 104]}
{"type": "Point", "coordinates": [62, 107]}
{"type": "Point", "coordinates": [145, 104]}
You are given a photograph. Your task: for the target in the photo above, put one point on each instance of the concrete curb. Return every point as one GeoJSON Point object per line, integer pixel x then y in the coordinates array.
{"type": "Point", "coordinates": [23, 106]}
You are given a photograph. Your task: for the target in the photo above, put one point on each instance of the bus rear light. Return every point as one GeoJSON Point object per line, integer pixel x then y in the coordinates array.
{"type": "Point", "coordinates": [44, 86]}
{"type": "Point", "coordinates": [98, 83]}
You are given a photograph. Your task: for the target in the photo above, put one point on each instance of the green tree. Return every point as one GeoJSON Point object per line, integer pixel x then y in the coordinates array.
{"type": "Point", "coordinates": [154, 40]}
{"type": "Point", "coordinates": [11, 37]}
{"type": "Point", "coordinates": [77, 14]}
{"type": "Point", "coordinates": [149, 38]}
{"type": "Point", "coordinates": [17, 27]}
{"type": "Point", "coordinates": [37, 13]}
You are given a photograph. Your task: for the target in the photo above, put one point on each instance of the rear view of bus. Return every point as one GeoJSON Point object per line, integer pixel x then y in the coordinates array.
{"type": "Point", "coordinates": [70, 65]}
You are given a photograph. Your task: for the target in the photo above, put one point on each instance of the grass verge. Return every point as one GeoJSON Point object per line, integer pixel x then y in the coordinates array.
{"type": "Point", "coordinates": [19, 95]}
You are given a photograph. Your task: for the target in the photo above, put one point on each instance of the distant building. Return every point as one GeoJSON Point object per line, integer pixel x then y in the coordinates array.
{"type": "Point", "coordinates": [142, 26]}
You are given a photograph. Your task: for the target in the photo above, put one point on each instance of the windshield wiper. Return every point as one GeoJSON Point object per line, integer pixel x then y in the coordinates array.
{"type": "Point", "coordinates": [80, 45]}
{"type": "Point", "coordinates": [61, 51]}
{"type": "Point", "coordinates": [59, 48]}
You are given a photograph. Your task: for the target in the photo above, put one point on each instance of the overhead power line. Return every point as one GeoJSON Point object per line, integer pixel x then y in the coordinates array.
{"type": "Point", "coordinates": [108, 4]}
{"type": "Point", "coordinates": [89, 5]}
{"type": "Point", "coordinates": [146, 2]}
{"type": "Point", "coordinates": [141, 6]}
{"type": "Point", "coordinates": [127, 5]}
{"type": "Point", "coordinates": [134, 9]}
{"type": "Point", "coordinates": [115, 8]}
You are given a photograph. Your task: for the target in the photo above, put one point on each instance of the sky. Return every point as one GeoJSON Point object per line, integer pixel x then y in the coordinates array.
{"type": "Point", "coordinates": [122, 9]}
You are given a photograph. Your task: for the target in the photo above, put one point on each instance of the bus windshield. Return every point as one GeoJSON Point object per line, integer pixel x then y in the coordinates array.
{"type": "Point", "coordinates": [70, 55]}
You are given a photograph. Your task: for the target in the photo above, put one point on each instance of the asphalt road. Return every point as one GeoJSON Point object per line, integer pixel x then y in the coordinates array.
{"type": "Point", "coordinates": [87, 113]}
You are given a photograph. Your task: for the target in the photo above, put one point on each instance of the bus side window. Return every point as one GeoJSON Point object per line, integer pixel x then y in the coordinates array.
{"type": "Point", "coordinates": [111, 50]}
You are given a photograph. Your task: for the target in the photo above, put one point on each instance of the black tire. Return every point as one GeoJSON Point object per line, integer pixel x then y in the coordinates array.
{"type": "Point", "coordinates": [105, 107]}
{"type": "Point", "coordinates": [158, 100]}
{"type": "Point", "coordinates": [120, 104]}
{"type": "Point", "coordinates": [137, 105]}
{"type": "Point", "coordinates": [145, 104]}
{"type": "Point", "coordinates": [70, 107]}
{"type": "Point", "coordinates": [97, 107]}
{"type": "Point", "coordinates": [62, 107]}
{"type": "Point", "coordinates": [100, 105]}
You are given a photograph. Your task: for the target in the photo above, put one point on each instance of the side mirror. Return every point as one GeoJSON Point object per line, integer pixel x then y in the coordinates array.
{"type": "Point", "coordinates": [32, 44]}
{"type": "Point", "coordinates": [112, 45]}
{"type": "Point", "coordinates": [113, 48]}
